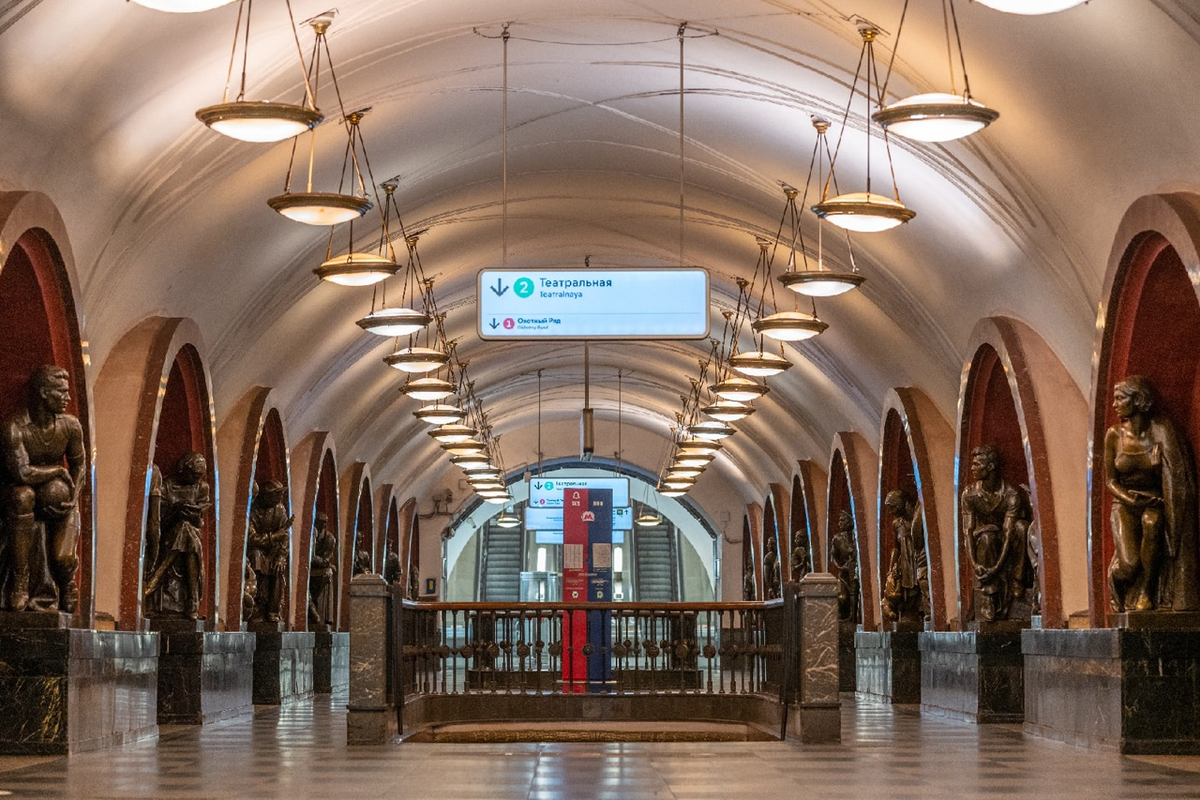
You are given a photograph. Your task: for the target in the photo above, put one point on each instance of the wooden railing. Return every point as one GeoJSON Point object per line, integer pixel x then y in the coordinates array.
{"type": "Point", "coordinates": [422, 664]}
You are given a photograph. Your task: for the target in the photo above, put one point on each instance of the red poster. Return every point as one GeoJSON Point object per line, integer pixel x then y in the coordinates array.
{"type": "Point", "coordinates": [575, 584]}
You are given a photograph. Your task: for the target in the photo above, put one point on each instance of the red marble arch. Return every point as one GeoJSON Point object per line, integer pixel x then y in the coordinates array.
{"type": "Point", "coordinates": [253, 447]}
{"type": "Point", "coordinates": [998, 405]}
{"type": "Point", "coordinates": [1148, 324]}
{"type": "Point", "coordinates": [358, 523]}
{"type": "Point", "coordinates": [752, 549]}
{"type": "Point", "coordinates": [906, 462]}
{"type": "Point", "coordinates": [808, 485]}
{"type": "Point", "coordinates": [40, 325]}
{"type": "Point", "coordinates": [314, 478]}
{"type": "Point", "coordinates": [157, 372]}
{"type": "Point", "coordinates": [387, 535]}
{"type": "Point", "coordinates": [410, 540]}
{"type": "Point", "coordinates": [848, 491]}
{"type": "Point", "coordinates": [778, 506]}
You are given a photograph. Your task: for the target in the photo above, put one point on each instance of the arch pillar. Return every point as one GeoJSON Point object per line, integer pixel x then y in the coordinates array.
{"type": "Point", "coordinates": [357, 521]}
{"type": "Point", "coordinates": [810, 485]}
{"type": "Point", "coordinates": [852, 489]}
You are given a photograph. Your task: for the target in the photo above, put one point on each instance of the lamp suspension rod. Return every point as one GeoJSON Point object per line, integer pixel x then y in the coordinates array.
{"type": "Point", "coordinates": [504, 156]}
{"type": "Point", "coordinates": [539, 423]}
{"type": "Point", "coordinates": [680, 34]}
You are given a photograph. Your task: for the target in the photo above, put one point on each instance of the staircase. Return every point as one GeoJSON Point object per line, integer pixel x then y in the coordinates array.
{"type": "Point", "coordinates": [500, 565]}
{"type": "Point", "coordinates": [654, 560]}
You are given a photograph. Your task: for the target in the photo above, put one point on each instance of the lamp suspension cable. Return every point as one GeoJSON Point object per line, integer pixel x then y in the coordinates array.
{"type": "Point", "coordinates": [682, 162]}
{"type": "Point", "coordinates": [504, 36]}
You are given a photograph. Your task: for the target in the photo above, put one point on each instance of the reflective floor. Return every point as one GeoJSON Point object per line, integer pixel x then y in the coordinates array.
{"type": "Point", "coordinates": [299, 751]}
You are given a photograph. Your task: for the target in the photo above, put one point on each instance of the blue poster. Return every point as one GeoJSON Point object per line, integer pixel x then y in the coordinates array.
{"type": "Point", "coordinates": [600, 587]}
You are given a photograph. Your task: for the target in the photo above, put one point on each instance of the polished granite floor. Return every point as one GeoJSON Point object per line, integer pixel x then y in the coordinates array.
{"type": "Point", "coordinates": [299, 751]}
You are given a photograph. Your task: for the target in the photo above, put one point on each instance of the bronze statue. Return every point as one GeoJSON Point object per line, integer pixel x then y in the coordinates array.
{"type": "Point", "coordinates": [799, 559]}
{"type": "Point", "coordinates": [771, 573]}
{"type": "Point", "coordinates": [844, 558]}
{"type": "Point", "coordinates": [749, 590]}
{"type": "Point", "coordinates": [267, 549]}
{"type": "Point", "coordinates": [45, 464]}
{"type": "Point", "coordinates": [391, 568]}
{"type": "Point", "coordinates": [322, 567]}
{"type": "Point", "coordinates": [175, 553]}
{"type": "Point", "coordinates": [362, 560]}
{"type": "Point", "coordinates": [906, 587]}
{"type": "Point", "coordinates": [1148, 471]}
{"type": "Point", "coordinates": [995, 528]}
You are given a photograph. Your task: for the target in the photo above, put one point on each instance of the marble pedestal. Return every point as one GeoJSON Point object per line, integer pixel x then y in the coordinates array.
{"type": "Point", "coordinates": [888, 666]}
{"type": "Point", "coordinates": [1134, 691]}
{"type": "Point", "coordinates": [283, 665]}
{"type": "Point", "coordinates": [973, 675]}
{"type": "Point", "coordinates": [72, 690]}
{"type": "Point", "coordinates": [203, 677]}
{"type": "Point", "coordinates": [331, 661]}
{"type": "Point", "coordinates": [847, 671]}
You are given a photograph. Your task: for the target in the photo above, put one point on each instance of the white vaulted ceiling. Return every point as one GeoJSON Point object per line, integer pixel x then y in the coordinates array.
{"type": "Point", "coordinates": [1099, 106]}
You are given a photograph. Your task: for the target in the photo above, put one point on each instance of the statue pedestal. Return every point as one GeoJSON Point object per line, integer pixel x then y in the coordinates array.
{"type": "Point", "coordinates": [72, 690]}
{"type": "Point", "coordinates": [1123, 689]}
{"type": "Point", "coordinates": [976, 675]}
{"type": "Point", "coordinates": [283, 664]}
{"type": "Point", "coordinates": [846, 668]}
{"type": "Point", "coordinates": [331, 661]}
{"type": "Point", "coordinates": [888, 666]}
{"type": "Point", "coordinates": [202, 677]}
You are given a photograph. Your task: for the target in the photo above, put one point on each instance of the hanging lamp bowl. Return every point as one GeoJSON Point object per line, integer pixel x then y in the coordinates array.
{"type": "Point", "coordinates": [759, 363]}
{"type": "Point", "coordinates": [183, 6]}
{"type": "Point", "coordinates": [477, 459]}
{"type": "Point", "coordinates": [678, 483]}
{"type": "Point", "coordinates": [394, 321]}
{"type": "Point", "coordinates": [789, 326]}
{"type": "Point", "coordinates": [711, 429]}
{"type": "Point", "coordinates": [821, 283]}
{"type": "Point", "coordinates": [440, 414]}
{"type": "Point", "coordinates": [497, 496]}
{"type": "Point", "coordinates": [356, 269]}
{"type": "Point", "coordinates": [699, 446]}
{"type": "Point", "coordinates": [680, 471]}
{"type": "Point", "coordinates": [424, 389]}
{"type": "Point", "coordinates": [259, 121]}
{"type": "Point", "coordinates": [463, 448]}
{"type": "Point", "coordinates": [692, 459]}
{"type": "Point", "coordinates": [864, 212]}
{"type": "Point", "coordinates": [648, 519]}
{"type": "Point", "coordinates": [935, 117]}
{"type": "Point", "coordinates": [669, 491]}
{"type": "Point", "coordinates": [416, 360]}
{"type": "Point", "coordinates": [320, 208]}
{"type": "Point", "coordinates": [728, 410]}
{"type": "Point", "coordinates": [481, 471]}
{"type": "Point", "coordinates": [1031, 6]}
{"type": "Point", "coordinates": [454, 432]}
{"type": "Point", "coordinates": [489, 485]}
{"type": "Point", "coordinates": [741, 390]}
{"type": "Point", "coordinates": [507, 520]}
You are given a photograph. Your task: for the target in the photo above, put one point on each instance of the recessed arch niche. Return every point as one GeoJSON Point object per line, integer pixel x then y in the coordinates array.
{"type": "Point", "coordinates": [1011, 374]}
{"type": "Point", "coordinates": [314, 478]}
{"type": "Point", "coordinates": [851, 490]}
{"type": "Point", "coordinates": [40, 324]}
{"type": "Point", "coordinates": [809, 487]}
{"type": "Point", "coordinates": [753, 532]}
{"type": "Point", "coordinates": [1148, 324]}
{"type": "Point", "coordinates": [749, 573]}
{"type": "Point", "coordinates": [775, 525]}
{"type": "Point", "coordinates": [253, 448]}
{"type": "Point", "coordinates": [410, 547]}
{"type": "Point", "coordinates": [387, 541]}
{"type": "Point", "coordinates": [156, 392]}
{"type": "Point", "coordinates": [916, 455]}
{"type": "Point", "coordinates": [358, 526]}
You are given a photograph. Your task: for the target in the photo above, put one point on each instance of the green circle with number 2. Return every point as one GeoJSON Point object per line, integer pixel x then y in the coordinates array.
{"type": "Point", "coordinates": [523, 287]}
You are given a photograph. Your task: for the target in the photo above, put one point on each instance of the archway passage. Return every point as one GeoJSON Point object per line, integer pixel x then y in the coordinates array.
{"type": "Point", "coordinates": [40, 325]}
{"type": "Point", "coordinates": [1153, 330]}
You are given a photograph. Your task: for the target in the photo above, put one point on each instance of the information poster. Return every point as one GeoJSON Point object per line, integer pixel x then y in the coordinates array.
{"type": "Point", "coordinates": [587, 577]}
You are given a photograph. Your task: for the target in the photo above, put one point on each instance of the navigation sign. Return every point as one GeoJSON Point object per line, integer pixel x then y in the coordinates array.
{"type": "Point", "coordinates": [593, 303]}
{"type": "Point", "coordinates": [539, 518]}
{"type": "Point", "coordinates": [548, 492]}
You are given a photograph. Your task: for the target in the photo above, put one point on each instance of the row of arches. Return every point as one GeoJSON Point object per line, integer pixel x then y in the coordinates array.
{"type": "Point", "coordinates": [154, 392]}
{"type": "Point", "coordinates": [1016, 395]}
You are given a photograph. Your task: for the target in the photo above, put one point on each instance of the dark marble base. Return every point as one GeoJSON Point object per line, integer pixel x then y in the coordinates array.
{"type": "Point", "coordinates": [847, 671]}
{"type": "Point", "coordinates": [973, 675]}
{"type": "Point", "coordinates": [69, 691]}
{"type": "Point", "coordinates": [283, 666]}
{"type": "Point", "coordinates": [204, 677]}
{"type": "Point", "coordinates": [35, 620]}
{"type": "Point", "coordinates": [331, 661]}
{"type": "Point", "coordinates": [888, 666]}
{"type": "Point", "coordinates": [1134, 691]}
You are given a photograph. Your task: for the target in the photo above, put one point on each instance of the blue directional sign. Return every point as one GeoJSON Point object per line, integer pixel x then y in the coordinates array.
{"type": "Point", "coordinates": [593, 303]}
{"type": "Point", "coordinates": [548, 492]}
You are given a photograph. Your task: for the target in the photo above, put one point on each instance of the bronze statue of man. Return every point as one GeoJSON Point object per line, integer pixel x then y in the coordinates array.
{"type": "Point", "coordinates": [799, 558]}
{"type": "Point", "coordinates": [906, 587]}
{"type": "Point", "coordinates": [44, 465]}
{"type": "Point", "coordinates": [322, 567]}
{"type": "Point", "coordinates": [267, 549]}
{"type": "Point", "coordinates": [844, 558]}
{"type": "Point", "coordinates": [1149, 474]}
{"type": "Point", "coordinates": [771, 573]}
{"type": "Point", "coordinates": [177, 578]}
{"type": "Point", "coordinates": [995, 529]}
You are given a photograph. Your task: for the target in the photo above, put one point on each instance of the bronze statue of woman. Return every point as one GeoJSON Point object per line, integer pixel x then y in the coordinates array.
{"type": "Point", "coordinates": [1149, 473]}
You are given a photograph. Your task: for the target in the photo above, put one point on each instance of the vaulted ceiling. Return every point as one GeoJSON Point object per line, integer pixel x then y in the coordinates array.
{"type": "Point", "coordinates": [1099, 105]}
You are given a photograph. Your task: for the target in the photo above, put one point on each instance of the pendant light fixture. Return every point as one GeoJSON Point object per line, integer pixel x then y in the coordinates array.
{"type": "Point", "coordinates": [327, 208]}
{"type": "Point", "coordinates": [936, 117]}
{"type": "Point", "coordinates": [407, 318]}
{"type": "Point", "coordinates": [864, 212]}
{"type": "Point", "coordinates": [786, 326]}
{"type": "Point", "coordinates": [741, 390]}
{"type": "Point", "coordinates": [507, 519]}
{"type": "Point", "coordinates": [242, 119]}
{"type": "Point", "coordinates": [1031, 6]}
{"type": "Point", "coordinates": [440, 414]}
{"type": "Point", "coordinates": [363, 268]}
{"type": "Point", "coordinates": [183, 6]}
{"type": "Point", "coordinates": [476, 459]}
{"type": "Point", "coordinates": [454, 432]}
{"type": "Point", "coordinates": [728, 410]}
{"type": "Point", "coordinates": [712, 430]}
{"type": "Point", "coordinates": [427, 388]}
{"type": "Point", "coordinates": [648, 518]}
{"type": "Point", "coordinates": [686, 459]}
